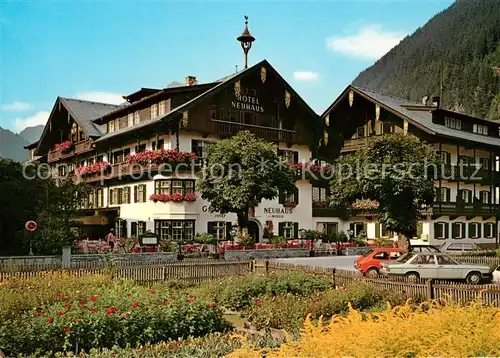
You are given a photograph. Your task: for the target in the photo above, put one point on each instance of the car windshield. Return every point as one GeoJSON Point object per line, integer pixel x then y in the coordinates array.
{"type": "Point", "coordinates": [404, 258]}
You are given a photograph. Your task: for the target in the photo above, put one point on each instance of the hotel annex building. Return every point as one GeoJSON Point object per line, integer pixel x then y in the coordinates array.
{"type": "Point", "coordinates": [81, 138]}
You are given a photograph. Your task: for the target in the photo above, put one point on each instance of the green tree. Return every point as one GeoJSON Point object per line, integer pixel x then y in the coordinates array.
{"type": "Point", "coordinates": [392, 170]}
{"type": "Point", "coordinates": [241, 171]}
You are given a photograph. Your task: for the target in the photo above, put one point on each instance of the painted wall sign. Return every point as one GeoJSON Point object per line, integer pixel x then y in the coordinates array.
{"type": "Point", "coordinates": [204, 208]}
{"type": "Point", "coordinates": [278, 212]}
{"type": "Point", "coordinates": [247, 103]}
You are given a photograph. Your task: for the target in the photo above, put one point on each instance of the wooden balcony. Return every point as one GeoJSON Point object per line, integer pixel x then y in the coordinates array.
{"type": "Point", "coordinates": [270, 134]}
{"type": "Point", "coordinates": [468, 174]}
{"type": "Point", "coordinates": [465, 209]}
{"type": "Point", "coordinates": [78, 148]}
{"type": "Point", "coordinates": [351, 145]}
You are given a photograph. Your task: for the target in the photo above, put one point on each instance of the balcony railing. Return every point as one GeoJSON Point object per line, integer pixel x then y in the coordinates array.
{"type": "Point", "coordinates": [467, 173]}
{"type": "Point", "coordinates": [465, 209]}
{"type": "Point", "coordinates": [58, 154]}
{"type": "Point", "coordinates": [351, 145]}
{"type": "Point", "coordinates": [270, 134]}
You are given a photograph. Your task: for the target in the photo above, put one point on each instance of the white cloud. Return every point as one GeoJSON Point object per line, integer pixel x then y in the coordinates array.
{"type": "Point", "coordinates": [371, 42]}
{"type": "Point", "coordinates": [34, 120]}
{"type": "Point", "coordinates": [305, 75]}
{"type": "Point", "coordinates": [103, 97]}
{"type": "Point", "coordinates": [17, 106]}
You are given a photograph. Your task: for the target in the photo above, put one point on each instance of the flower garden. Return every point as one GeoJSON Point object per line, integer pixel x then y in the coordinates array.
{"type": "Point", "coordinates": [98, 316]}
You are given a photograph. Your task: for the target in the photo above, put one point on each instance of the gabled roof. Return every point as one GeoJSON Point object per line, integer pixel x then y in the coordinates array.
{"type": "Point", "coordinates": [417, 114]}
{"type": "Point", "coordinates": [210, 92]}
{"type": "Point", "coordinates": [85, 111]}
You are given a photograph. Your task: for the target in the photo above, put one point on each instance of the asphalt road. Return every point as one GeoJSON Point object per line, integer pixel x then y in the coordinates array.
{"type": "Point", "coordinates": [340, 262]}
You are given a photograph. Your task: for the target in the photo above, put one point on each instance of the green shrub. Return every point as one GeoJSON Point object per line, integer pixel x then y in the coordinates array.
{"type": "Point", "coordinates": [297, 283]}
{"type": "Point", "coordinates": [112, 319]}
{"type": "Point", "coordinates": [239, 293]}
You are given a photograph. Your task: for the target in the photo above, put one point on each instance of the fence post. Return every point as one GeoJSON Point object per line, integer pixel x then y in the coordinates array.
{"type": "Point", "coordinates": [66, 257]}
{"type": "Point", "coordinates": [252, 266]}
{"type": "Point", "coordinates": [430, 289]}
{"type": "Point", "coordinates": [333, 278]}
{"type": "Point", "coordinates": [267, 267]}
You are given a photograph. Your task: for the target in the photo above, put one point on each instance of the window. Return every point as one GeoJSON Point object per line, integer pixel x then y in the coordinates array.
{"type": "Point", "coordinates": [113, 197]}
{"type": "Point", "coordinates": [179, 230]}
{"type": "Point", "coordinates": [138, 228]}
{"type": "Point", "coordinates": [385, 232]}
{"type": "Point", "coordinates": [484, 196]}
{"type": "Point", "coordinates": [161, 108]}
{"type": "Point", "coordinates": [490, 230]}
{"type": "Point", "coordinates": [290, 156]}
{"type": "Point", "coordinates": [328, 228]}
{"type": "Point", "coordinates": [74, 132]}
{"type": "Point", "coordinates": [356, 228]}
{"type": "Point", "coordinates": [212, 113]}
{"type": "Point", "coordinates": [381, 256]}
{"type": "Point", "coordinates": [441, 230]}
{"type": "Point", "coordinates": [140, 148]}
{"type": "Point", "coordinates": [199, 147]}
{"type": "Point", "coordinates": [120, 155]}
{"type": "Point", "coordinates": [445, 260]}
{"type": "Point", "coordinates": [100, 158]}
{"type": "Point", "coordinates": [174, 186]}
{"type": "Point", "coordinates": [394, 255]}
{"type": "Point", "coordinates": [319, 194]}
{"type": "Point", "coordinates": [445, 157]}
{"type": "Point", "coordinates": [140, 193]}
{"type": "Point", "coordinates": [485, 163]}
{"type": "Point", "coordinates": [100, 198]}
{"type": "Point", "coordinates": [458, 230]}
{"type": "Point", "coordinates": [474, 230]}
{"type": "Point", "coordinates": [137, 118]}
{"type": "Point", "coordinates": [466, 195]}
{"type": "Point", "coordinates": [387, 127]}
{"type": "Point", "coordinates": [480, 129]}
{"type": "Point", "coordinates": [158, 145]}
{"type": "Point", "coordinates": [111, 126]}
{"type": "Point", "coordinates": [219, 229]}
{"type": "Point", "coordinates": [154, 110]}
{"type": "Point", "coordinates": [62, 170]}
{"type": "Point", "coordinates": [90, 161]}
{"type": "Point", "coordinates": [443, 194]}
{"type": "Point", "coordinates": [286, 198]}
{"type": "Point", "coordinates": [125, 195]}
{"type": "Point", "coordinates": [360, 132]}
{"type": "Point", "coordinates": [81, 135]}
{"type": "Point", "coordinates": [424, 260]}
{"type": "Point", "coordinates": [117, 124]}
{"type": "Point", "coordinates": [452, 123]}
{"type": "Point", "coordinates": [130, 119]}
{"type": "Point", "coordinates": [288, 230]}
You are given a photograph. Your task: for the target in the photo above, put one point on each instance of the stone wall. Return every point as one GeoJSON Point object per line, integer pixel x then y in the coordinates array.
{"type": "Point", "coordinates": [264, 254]}
{"type": "Point", "coordinates": [19, 262]}
{"type": "Point", "coordinates": [356, 251]}
{"type": "Point", "coordinates": [139, 259]}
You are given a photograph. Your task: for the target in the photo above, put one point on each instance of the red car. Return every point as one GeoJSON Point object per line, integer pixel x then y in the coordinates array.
{"type": "Point", "coordinates": [369, 264]}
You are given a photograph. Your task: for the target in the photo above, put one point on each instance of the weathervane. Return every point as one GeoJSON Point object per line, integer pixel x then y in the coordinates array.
{"type": "Point", "coordinates": [246, 41]}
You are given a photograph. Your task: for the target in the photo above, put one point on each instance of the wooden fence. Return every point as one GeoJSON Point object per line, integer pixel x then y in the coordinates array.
{"type": "Point", "coordinates": [417, 289]}
{"type": "Point", "coordinates": [194, 272]}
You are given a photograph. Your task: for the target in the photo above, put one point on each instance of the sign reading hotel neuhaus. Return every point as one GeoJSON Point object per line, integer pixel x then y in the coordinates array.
{"type": "Point", "coordinates": [247, 103]}
{"type": "Point", "coordinates": [278, 212]}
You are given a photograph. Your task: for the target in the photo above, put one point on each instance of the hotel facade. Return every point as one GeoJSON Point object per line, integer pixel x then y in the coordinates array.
{"type": "Point", "coordinates": [172, 125]}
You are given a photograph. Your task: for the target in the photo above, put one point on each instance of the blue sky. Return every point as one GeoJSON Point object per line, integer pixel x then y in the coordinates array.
{"type": "Point", "coordinates": [101, 50]}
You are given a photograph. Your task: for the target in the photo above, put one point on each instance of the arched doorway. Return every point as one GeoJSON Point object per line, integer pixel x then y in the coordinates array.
{"type": "Point", "coordinates": [253, 230]}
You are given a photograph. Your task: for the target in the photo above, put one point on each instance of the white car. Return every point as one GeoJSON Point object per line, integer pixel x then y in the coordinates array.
{"type": "Point", "coordinates": [496, 275]}
{"type": "Point", "coordinates": [415, 265]}
{"type": "Point", "coordinates": [459, 248]}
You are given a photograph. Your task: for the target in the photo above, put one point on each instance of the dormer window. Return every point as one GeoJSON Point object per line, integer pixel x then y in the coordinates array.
{"type": "Point", "coordinates": [154, 110]}
{"type": "Point", "coordinates": [480, 129]}
{"type": "Point", "coordinates": [137, 118]}
{"type": "Point", "coordinates": [453, 123]}
{"type": "Point", "coordinates": [161, 108]}
{"type": "Point", "coordinates": [130, 119]}
{"type": "Point", "coordinates": [74, 132]}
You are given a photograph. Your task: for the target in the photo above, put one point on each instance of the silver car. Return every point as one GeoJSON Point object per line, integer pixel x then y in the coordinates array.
{"type": "Point", "coordinates": [414, 265]}
{"type": "Point", "coordinates": [459, 248]}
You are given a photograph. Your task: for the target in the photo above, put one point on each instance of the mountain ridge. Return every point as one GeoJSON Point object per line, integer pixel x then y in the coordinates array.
{"type": "Point", "coordinates": [11, 144]}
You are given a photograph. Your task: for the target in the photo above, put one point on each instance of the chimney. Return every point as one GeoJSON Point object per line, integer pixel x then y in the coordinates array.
{"type": "Point", "coordinates": [190, 81]}
{"type": "Point", "coordinates": [436, 101]}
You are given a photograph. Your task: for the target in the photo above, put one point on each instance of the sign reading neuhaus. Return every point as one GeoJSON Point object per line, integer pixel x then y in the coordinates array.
{"type": "Point", "coordinates": [247, 103]}
{"type": "Point", "coordinates": [278, 212]}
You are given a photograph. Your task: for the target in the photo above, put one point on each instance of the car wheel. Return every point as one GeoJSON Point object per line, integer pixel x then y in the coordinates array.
{"type": "Point", "coordinates": [412, 276]}
{"type": "Point", "coordinates": [372, 272]}
{"type": "Point", "coordinates": [473, 278]}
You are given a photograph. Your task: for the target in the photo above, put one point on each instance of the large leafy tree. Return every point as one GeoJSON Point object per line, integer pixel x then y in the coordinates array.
{"type": "Point", "coordinates": [28, 193]}
{"type": "Point", "coordinates": [241, 171]}
{"type": "Point", "coordinates": [395, 171]}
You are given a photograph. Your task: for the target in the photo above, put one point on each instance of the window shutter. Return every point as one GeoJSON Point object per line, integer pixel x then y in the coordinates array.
{"type": "Point", "coordinates": [377, 230]}
{"type": "Point", "coordinates": [295, 157]}
{"type": "Point", "coordinates": [229, 227]}
{"type": "Point", "coordinates": [454, 230]}
{"type": "Point", "coordinates": [296, 196]}
{"type": "Point", "coordinates": [436, 231]}
{"type": "Point", "coordinates": [448, 158]}
{"type": "Point", "coordinates": [281, 229]}
{"type": "Point", "coordinates": [128, 195]}
{"type": "Point", "coordinates": [296, 230]}
{"type": "Point", "coordinates": [479, 231]}
{"type": "Point", "coordinates": [494, 230]}
{"type": "Point", "coordinates": [446, 230]}
{"type": "Point", "coordinates": [470, 230]}
{"type": "Point", "coordinates": [133, 229]}
{"type": "Point", "coordinates": [135, 194]}
{"type": "Point", "coordinates": [365, 226]}
{"type": "Point", "coordinates": [419, 230]}
{"type": "Point", "coordinates": [210, 227]}
{"type": "Point", "coordinates": [351, 228]}
{"type": "Point", "coordinates": [448, 195]}
{"type": "Point", "coordinates": [194, 146]}
{"type": "Point", "coordinates": [485, 229]}
{"type": "Point", "coordinates": [281, 197]}
{"type": "Point", "coordinates": [481, 195]}
{"type": "Point", "coordinates": [469, 192]}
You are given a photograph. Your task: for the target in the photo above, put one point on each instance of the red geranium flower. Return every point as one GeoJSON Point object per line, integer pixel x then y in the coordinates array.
{"type": "Point", "coordinates": [129, 294]}
{"type": "Point", "coordinates": [67, 329]}
{"type": "Point", "coordinates": [93, 298]}
{"type": "Point", "coordinates": [83, 301]}
{"type": "Point", "coordinates": [345, 288]}
{"type": "Point", "coordinates": [212, 305]}
{"type": "Point", "coordinates": [134, 305]}
{"type": "Point", "coordinates": [65, 298]}
{"type": "Point", "coordinates": [166, 303]}
{"type": "Point", "coordinates": [68, 305]}
{"type": "Point", "coordinates": [60, 313]}
{"type": "Point", "coordinates": [111, 310]}
{"type": "Point", "coordinates": [172, 297]}
{"type": "Point", "coordinates": [258, 302]}
{"type": "Point", "coordinates": [39, 313]}
{"type": "Point", "coordinates": [50, 320]}
{"type": "Point", "coordinates": [94, 311]}
{"type": "Point", "coordinates": [58, 294]}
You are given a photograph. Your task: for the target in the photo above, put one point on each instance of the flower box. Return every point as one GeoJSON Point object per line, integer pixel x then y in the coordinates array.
{"type": "Point", "coordinates": [96, 168]}
{"type": "Point", "coordinates": [289, 204]}
{"type": "Point", "coordinates": [160, 156]}
{"type": "Point", "coordinates": [172, 197]}
{"type": "Point", "coordinates": [64, 147]}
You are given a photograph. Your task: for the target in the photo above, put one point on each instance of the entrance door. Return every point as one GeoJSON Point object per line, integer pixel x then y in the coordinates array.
{"type": "Point", "coordinates": [253, 230]}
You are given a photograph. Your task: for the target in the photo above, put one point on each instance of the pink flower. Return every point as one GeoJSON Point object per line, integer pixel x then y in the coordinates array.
{"type": "Point", "coordinates": [190, 197]}
{"type": "Point", "coordinates": [99, 167]}
{"type": "Point", "coordinates": [50, 320]}
{"type": "Point", "coordinates": [39, 313]}
{"type": "Point", "coordinates": [67, 329]}
{"type": "Point", "coordinates": [68, 305]}
{"type": "Point", "coordinates": [258, 302]}
{"type": "Point", "coordinates": [166, 303]}
{"type": "Point", "coordinates": [64, 146]}
{"type": "Point", "coordinates": [93, 298]}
